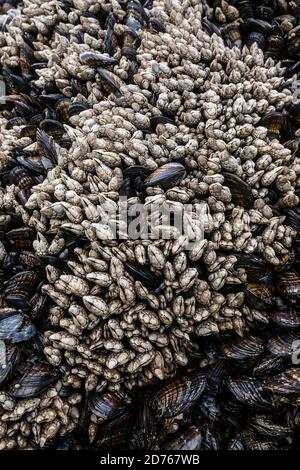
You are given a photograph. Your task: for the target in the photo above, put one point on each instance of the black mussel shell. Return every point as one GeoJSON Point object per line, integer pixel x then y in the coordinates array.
{"type": "Point", "coordinates": [39, 65]}
{"type": "Point", "coordinates": [136, 7]}
{"type": "Point", "coordinates": [215, 375]}
{"type": "Point", "coordinates": [32, 100]}
{"type": "Point", "coordinates": [21, 177]}
{"type": "Point", "coordinates": [16, 121]}
{"type": "Point", "coordinates": [68, 443]}
{"type": "Point", "coordinates": [274, 48]}
{"type": "Point", "coordinates": [177, 396]}
{"type": "Point", "coordinates": [66, 391]}
{"type": "Point", "coordinates": [110, 40]}
{"type": "Point", "coordinates": [19, 288]}
{"type": "Point", "coordinates": [30, 261]}
{"type": "Point", "coordinates": [127, 189]}
{"type": "Point", "coordinates": [10, 260]}
{"type": "Point", "coordinates": [264, 12]}
{"type": "Point", "coordinates": [285, 383]}
{"type": "Point", "coordinates": [14, 82]}
{"type": "Point", "coordinates": [38, 306]}
{"type": "Point", "coordinates": [210, 27]}
{"type": "Point", "coordinates": [235, 444]}
{"type": "Point", "coordinates": [248, 391]}
{"type": "Point", "coordinates": [209, 407]}
{"type": "Point", "coordinates": [246, 8]}
{"type": "Point", "coordinates": [23, 195]}
{"type": "Point", "coordinates": [123, 418]}
{"type": "Point", "coordinates": [62, 109]}
{"type": "Point", "coordinates": [130, 44]}
{"type": "Point", "coordinates": [243, 348]}
{"type": "Point", "coordinates": [232, 410]}
{"type": "Point", "coordinates": [287, 318]}
{"type": "Point", "coordinates": [275, 122]}
{"type": "Point", "coordinates": [135, 171]}
{"type": "Point", "coordinates": [273, 198]}
{"type": "Point", "coordinates": [110, 80]}
{"type": "Point", "coordinates": [268, 365]}
{"type": "Point", "coordinates": [15, 326]}
{"type": "Point", "coordinates": [260, 26]}
{"type": "Point", "coordinates": [292, 69]}
{"type": "Point", "coordinates": [26, 59]}
{"type": "Point", "coordinates": [240, 191]}
{"type": "Point", "coordinates": [78, 88]}
{"type": "Point", "coordinates": [9, 359]}
{"type": "Point", "coordinates": [52, 99]}
{"type": "Point", "coordinates": [29, 130]}
{"type": "Point", "coordinates": [289, 284]}
{"type": "Point", "coordinates": [166, 176]}
{"type": "Point", "coordinates": [53, 128]}
{"type": "Point", "coordinates": [144, 433]}
{"type": "Point", "coordinates": [24, 109]}
{"type": "Point", "coordinates": [112, 438]}
{"type": "Point", "coordinates": [132, 70]}
{"type": "Point", "coordinates": [23, 260]}
{"type": "Point", "coordinates": [157, 25]}
{"type": "Point", "coordinates": [258, 295]}
{"type": "Point", "coordinates": [268, 426]}
{"type": "Point", "coordinates": [285, 261]}
{"type": "Point", "coordinates": [77, 107]}
{"type": "Point", "coordinates": [134, 24]}
{"type": "Point", "coordinates": [293, 218]}
{"type": "Point", "coordinates": [109, 405]}
{"type": "Point", "coordinates": [256, 37]}
{"type": "Point", "coordinates": [47, 147]}
{"type": "Point", "coordinates": [143, 274]}
{"type": "Point", "coordinates": [211, 438]}
{"type": "Point", "coordinates": [284, 343]}
{"type": "Point", "coordinates": [36, 119]}
{"type": "Point", "coordinates": [255, 267]}
{"type": "Point", "coordinates": [190, 439]}
{"type": "Point", "coordinates": [254, 442]}
{"type": "Point", "coordinates": [96, 59]}
{"type": "Point", "coordinates": [35, 377]}
{"type": "Point", "coordinates": [35, 166]}
{"type": "Point", "coordinates": [232, 34]}
{"type": "Point", "coordinates": [295, 112]}
{"type": "Point", "coordinates": [293, 145]}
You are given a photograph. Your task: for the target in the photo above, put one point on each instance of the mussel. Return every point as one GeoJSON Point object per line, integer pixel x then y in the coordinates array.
{"type": "Point", "coordinates": [34, 377]}
{"type": "Point", "coordinates": [178, 395]}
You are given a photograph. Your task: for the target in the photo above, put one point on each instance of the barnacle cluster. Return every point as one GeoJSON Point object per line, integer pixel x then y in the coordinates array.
{"type": "Point", "coordinates": [167, 343]}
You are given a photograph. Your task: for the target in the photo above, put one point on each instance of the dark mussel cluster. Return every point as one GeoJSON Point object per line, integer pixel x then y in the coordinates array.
{"type": "Point", "coordinates": [273, 25]}
{"type": "Point", "coordinates": [234, 393]}
{"type": "Point", "coordinates": [244, 398]}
